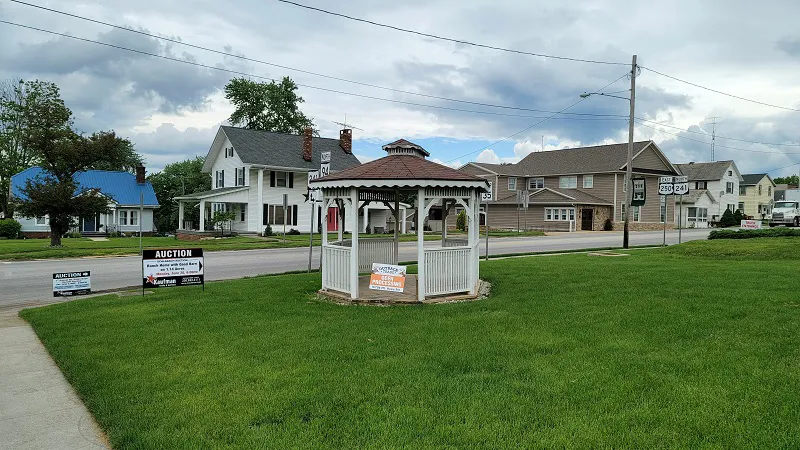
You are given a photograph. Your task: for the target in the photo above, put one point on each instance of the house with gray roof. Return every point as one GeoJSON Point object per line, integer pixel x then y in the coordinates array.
{"type": "Point", "coordinates": [713, 188]}
{"type": "Point", "coordinates": [578, 188]}
{"type": "Point", "coordinates": [262, 177]}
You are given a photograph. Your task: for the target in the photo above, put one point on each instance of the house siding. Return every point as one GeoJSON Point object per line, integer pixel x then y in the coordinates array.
{"type": "Point", "coordinates": [229, 165]}
{"type": "Point", "coordinates": [651, 211]}
{"type": "Point", "coordinates": [648, 159]}
{"type": "Point", "coordinates": [752, 200]}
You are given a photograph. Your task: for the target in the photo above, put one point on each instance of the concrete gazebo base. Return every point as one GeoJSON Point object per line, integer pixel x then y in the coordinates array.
{"type": "Point", "coordinates": [409, 297]}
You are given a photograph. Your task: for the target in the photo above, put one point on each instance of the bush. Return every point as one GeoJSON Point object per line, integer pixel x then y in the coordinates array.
{"type": "Point", "coordinates": [727, 219]}
{"type": "Point", "coordinates": [10, 228]}
{"type": "Point", "coordinates": [268, 231]}
{"type": "Point", "coordinates": [749, 234]}
{"type": "Point", "coordinates": [114, 234]}
{"type": "Point", "coordinates": [293, 232]}
{"type": "Point", "coordinates": [73, 234]}
{"type": "Point", "coordinates": [461, 221]}
{"type": "Point", "coordinates": [608, 225]}
{"type": "Point", "coordinates": [738, 216]}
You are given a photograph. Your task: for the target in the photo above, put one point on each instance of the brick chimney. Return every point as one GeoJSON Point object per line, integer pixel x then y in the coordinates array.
{"type": "Point", "coordinates": [308, 134]}
{"type": "Point", "coordinates": [140, 174]}
{"type": "Point", "coordinates": [346, 140]}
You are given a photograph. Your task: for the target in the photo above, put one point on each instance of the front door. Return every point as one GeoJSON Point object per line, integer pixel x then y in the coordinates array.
{"type": "Point", "coordinates": [333, 219]}
{"type": "Point", "coordinates": [90, 223]}
{"type": "Point", "coordinates": [587, 218]}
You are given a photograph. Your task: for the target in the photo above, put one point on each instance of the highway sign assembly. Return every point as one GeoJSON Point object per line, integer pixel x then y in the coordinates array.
{"type": "Point", "coordinates": [172, 267]}
{"type": "Point", "coordinates": [67, 284]}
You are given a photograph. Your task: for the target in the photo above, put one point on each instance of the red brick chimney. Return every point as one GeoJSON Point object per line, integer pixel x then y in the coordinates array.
{"type": "Point", "coordinates": [140, 174]}
{"type": "Point", "coordinates": [346, 140]}
{"type": "Point", "coordinates": [308, 134]}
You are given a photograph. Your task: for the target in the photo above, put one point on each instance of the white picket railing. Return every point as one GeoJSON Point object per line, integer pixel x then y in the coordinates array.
{"type": "Point", "coordinates": [336, 267]}
{"type": "Point", "coordinates": [447, 270]}
{"type": "Point", "coordinates": [375, 251]}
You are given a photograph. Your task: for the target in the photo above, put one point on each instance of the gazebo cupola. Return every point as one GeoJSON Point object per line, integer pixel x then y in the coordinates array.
{"type": "Point", "coordinates": [446, 267]}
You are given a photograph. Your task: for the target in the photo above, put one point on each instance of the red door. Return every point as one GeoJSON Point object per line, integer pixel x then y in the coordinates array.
{"type": "Point", "coordinates": [333, 219]}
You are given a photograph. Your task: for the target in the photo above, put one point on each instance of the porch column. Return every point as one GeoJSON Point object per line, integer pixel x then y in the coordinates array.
{"type": "Point", "coordinates": [202, 216]}
{"type": "Point", "coordinates": [180, 214]}
{"type": "Point", "coordinates": [354, 245]}
{"type": "Point", "coordinates": [420, 244]}
{"type": "Point", "coordinates": [260, 225]}
{"type": "Point", "coordinates": [366, 217]}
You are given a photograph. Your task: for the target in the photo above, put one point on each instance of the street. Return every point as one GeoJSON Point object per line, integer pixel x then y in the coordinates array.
{"type": "Point", "coordinates": [29, 283]}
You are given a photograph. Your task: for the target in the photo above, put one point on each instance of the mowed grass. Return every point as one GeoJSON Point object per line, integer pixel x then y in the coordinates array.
{"type": "Point", "coordinates": [653, 350]}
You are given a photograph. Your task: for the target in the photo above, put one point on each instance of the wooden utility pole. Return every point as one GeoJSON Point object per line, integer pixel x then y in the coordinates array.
{"type": "Point", "coordinates": [629, 165]}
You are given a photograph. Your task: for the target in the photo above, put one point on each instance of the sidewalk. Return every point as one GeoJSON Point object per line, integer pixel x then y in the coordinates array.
{"type": "Point", "coordinates": [38, 407]}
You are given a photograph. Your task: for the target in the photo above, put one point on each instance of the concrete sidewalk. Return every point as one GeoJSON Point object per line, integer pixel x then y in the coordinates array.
{"type": "Point", "coordinates": [38, 407]}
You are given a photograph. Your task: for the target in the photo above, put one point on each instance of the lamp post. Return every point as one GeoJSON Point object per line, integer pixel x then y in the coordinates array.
{"type": "Point", "coordinates": [629, 166]}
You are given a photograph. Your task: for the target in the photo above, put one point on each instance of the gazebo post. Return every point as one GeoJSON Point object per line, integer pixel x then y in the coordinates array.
{"type": "Point", "coordinates": [354, 245]}
{"type": "Point", "coordinates": [324, 237]}
{"type": "Point", "coordinates": [420, 244]}
{"type": "Point", "coordinates": [472, 237]}
{"type": "Point", "coordinates": [397, 226]}
{"type": "Point", "coordinates": [444, 222]}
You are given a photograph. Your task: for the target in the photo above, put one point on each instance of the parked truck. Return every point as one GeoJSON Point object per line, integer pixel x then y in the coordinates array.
{"type": "Point", "coordinates": [787, 211]}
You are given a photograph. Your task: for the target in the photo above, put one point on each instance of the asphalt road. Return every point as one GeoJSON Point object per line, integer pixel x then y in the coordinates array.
{"type": "Point", "coordinates": [28, 283]}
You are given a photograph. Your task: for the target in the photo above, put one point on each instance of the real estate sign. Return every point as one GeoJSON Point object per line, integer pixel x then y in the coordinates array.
{"type": "Point", "coordinates": [67, 284]}
{"type": "Point", "coordinates": [172, 267]}
{"type": "Point", "coordinates": [750, 225]}
{"type": "Point", "coordinates": [387, 277]}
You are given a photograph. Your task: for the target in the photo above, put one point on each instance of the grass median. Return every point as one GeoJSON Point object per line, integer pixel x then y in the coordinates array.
{"type": "Point", "coordinates": [657, 349]}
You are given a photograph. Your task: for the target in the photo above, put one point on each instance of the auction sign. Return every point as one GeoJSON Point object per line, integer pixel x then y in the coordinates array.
{"type": "Point", "coordinates": [172, 267]}
{"type": "Point", "coordinates": [67, 284]}
{"type": "Point", "coordinates": [386, 277]}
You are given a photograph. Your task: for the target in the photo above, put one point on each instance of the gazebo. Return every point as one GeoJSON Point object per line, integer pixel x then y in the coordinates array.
{"type": "Point", "coordinates": [445, 267]}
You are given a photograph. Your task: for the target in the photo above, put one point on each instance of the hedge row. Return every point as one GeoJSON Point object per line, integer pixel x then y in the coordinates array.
{"type": "Point", "coordinates": [748, 234]}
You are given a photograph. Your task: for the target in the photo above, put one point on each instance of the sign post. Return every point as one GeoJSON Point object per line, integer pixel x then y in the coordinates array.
{"type": "Point", "coordinates": [67, 284]}
{"type": "Point", "coordinates": [486, 197]}
{"type": "Point", "coordinates": [313, 175]}
{"type": "Point", "coordinates": [676, 186]}
{"type": "Point", "coordinates": [681, 186]}
{"type": "Point", "coordinates": [172, 267]}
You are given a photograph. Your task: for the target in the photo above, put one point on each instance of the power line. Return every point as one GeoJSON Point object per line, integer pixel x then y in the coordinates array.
{"type": "Point", "coordinates": [242, 57]}
{"type": "Point", "coordinates": [718, 136]}
{"type": "Point", "coordinates": [718, 92]}
{"type": "Point", "coordinates": [223, 69]}
{"type": "Point", "coordinates": [784, 167]}
{"type": "Point", "coordinates": [721, 146]}
{"type": "Point", "coordinates": [457, 41]}
{"type": "Point", "coordinates": [537, 123]}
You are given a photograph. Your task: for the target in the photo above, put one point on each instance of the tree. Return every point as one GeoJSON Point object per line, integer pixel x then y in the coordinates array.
{"type": "Point", "coordinates": [792, 180]}
{"type": "Point", "coordinates": [461, 221]}
{"type": "Point", "coordinates": [122, 158]}
{"type": "Point", "coordinates": [180, 178]}
{"type": "Point", "coordinates": [727, 219]}
{"type": "Point", "coordinates": [62, 153]}
{"type": "Point", "coordinates": [220, 219]}
{"type": "Point", "coordinates": [267, 106]}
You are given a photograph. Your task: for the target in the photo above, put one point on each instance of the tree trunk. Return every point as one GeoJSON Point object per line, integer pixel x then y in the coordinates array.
{"type": "Point", "coordinates": [55, 236]}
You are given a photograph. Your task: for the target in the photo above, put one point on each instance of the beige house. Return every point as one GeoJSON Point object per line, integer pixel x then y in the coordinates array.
{"type": "Point", "coordinates": [756, 193]}
{"type": "Point", "coordinates": [579, 188]}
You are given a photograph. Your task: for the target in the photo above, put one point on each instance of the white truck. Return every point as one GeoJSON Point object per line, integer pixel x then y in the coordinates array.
{"type": "Point", "coordinates": [787, 211]}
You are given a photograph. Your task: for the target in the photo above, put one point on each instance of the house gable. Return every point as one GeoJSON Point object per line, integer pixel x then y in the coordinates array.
{"type": "Point", "coordinates": [651, 158]}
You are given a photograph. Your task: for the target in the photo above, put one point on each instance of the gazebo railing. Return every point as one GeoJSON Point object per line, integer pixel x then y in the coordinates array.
{"type": "Point", "coordinates": [336, 268]}
{"type": "Point", "coordinates": [447, 270]}
{"type": "Point", "coordinates": [371, 250]}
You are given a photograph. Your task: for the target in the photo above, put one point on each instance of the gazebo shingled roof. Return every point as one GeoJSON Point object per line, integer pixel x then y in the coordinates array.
{"type": "Point", "coordinates": [400, 167]}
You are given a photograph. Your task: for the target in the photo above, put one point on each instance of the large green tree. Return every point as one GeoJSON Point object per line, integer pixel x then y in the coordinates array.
{"type": "Point", "coordinates": [62, 153]}
{"type": "Point", "coordinates": [267, 106]}
{"type": "Point", "coordinates": [793, 180]}
{"type": "Point", "coordinates": [180, 178]}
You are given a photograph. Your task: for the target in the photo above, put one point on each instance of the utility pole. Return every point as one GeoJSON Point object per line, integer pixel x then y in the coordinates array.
{"type": "Point", "coordinates": [713, 135]}
{"type": "Point", "coordinates": [629, 165]}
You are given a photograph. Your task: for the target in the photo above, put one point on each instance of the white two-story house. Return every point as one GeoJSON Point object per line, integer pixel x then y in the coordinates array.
{"type": "Point", "coordinates": [252, 172]}
{"type": "Point", "coordinates": [713, 188]}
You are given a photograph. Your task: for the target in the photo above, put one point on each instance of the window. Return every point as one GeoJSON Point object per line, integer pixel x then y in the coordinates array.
{"type": "Point", "coordinates": [229, 152]}
{"type": "Point", "coordinates": [759, 190]}
{"type": "Point", "coordinates": [276, 215]}
{"type": "Point", "coordinates": [243, 212]}
{"type": "Point", "coordinates": [240, 176]}
{"type": "Point", "coordinates": [769, 191]}
{"type": "Point", "coordinates": [637, 213]}
{"type": "Point", "coordinates": [697, 214]}
{"type": "Point", "coordinates": [730, 173]}
{"type": "Point", "coordinates": [220, 178]}
{"type": "Point", "coordinates": [512, 183]}
{"type": "Point", "coordinates": [701, 185]}
{"type": "Point", "coordinates": [729, 187]}
{"type": "Point", "coordinates": [741, 206]}
{"type": "Point", "coordinates": [731, 207]}
{"type": "Point", "coordinates": [123, 218]}
{"type": "Point", "coordinates": [134, 217]}
{"type": "Point", "coordinates": [588, 181]}
{"type": "Point", "coordinates": [568, 182]}
{"type": "Point", "coordinates": [536, 183]}
{"type": "Point", "coordinates": [281, 179]}
{"type": "Point", "coordinates": [561, 214]}
{"type": "Point", "coordinates": [42, 220]}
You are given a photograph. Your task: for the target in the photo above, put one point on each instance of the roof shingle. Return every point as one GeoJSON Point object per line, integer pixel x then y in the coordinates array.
{"type": "Point", "coordinates": [705, 171]}
{"type": "Point", "coordinates": [401, 167]}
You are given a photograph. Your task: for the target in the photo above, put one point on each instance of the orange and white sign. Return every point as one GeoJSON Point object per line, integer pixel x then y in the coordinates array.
{"type": "Point", "coordinates": [386, 277]}
{"type": "Point", "coordinates": [750, 225]}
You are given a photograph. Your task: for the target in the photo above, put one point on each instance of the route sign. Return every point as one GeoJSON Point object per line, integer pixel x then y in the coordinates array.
{"type": "Point", "coordinates": [681, 185]}
{"type": "Point", "coordinates": [325, 157]}
{"type": "Point", "coordinates": [665, 186]}
{"type": "Point", "coordinates": [67, 284]}
{"type": "Point", "coordinates": [487, 196]}
{"type": "Point", "coordinates": [172, 267]}
{"type": "Point", "coordinates": [673, 185]}
{"type": "Point", "coordinates": [639, 192]}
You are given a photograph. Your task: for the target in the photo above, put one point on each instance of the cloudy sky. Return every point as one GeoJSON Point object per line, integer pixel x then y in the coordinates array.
{"type": "Point", "coordinates": [171, 110]}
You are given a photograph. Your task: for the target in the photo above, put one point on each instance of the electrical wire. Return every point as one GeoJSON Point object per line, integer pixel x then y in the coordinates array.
{"type": "Point", "coordinates": [718, 136]}
{"type": "Point", "coordinates": [443, 38]}
{"type": "Point", "coordinates": [719, 92]}
{"type": "Point", "coordinates": [717, 145]}
{"type": "Point", "coordinates": [335, 91]}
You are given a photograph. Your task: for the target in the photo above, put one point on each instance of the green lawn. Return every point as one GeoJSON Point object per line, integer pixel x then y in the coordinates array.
{"type": "Point", "coordinates": [661, 349]}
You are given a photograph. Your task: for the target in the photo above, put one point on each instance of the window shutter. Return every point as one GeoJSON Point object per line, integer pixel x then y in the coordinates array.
{"type": "Point", "coordinates": [271, 178]}
{"type": "Point", "coordinates": [294, 215]}
{"type": "Point", "coordinates": [291, 180]}
{"type": "Point", "coordinates": [265, 220]}
{"type": "Point", "coordinates": [222, 172]}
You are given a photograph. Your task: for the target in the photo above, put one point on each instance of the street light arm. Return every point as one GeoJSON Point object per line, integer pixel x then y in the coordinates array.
{"type": "Point", "coordinates": [589, 94]}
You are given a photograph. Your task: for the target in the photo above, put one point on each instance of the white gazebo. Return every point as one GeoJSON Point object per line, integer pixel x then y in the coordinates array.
{"type": "Point", "coordinates": [445, 267]}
